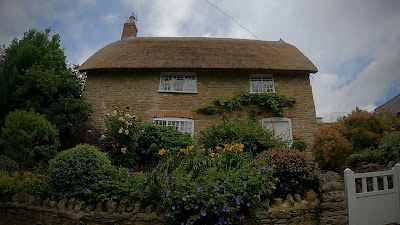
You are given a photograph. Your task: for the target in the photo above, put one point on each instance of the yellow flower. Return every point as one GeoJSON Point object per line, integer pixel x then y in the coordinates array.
{"type": "Point", "coordinates": [212, 154]}
{"type": "Point", "coordinates": [161, 152]}
{"type": "Point", "coordinates": [123, 150]}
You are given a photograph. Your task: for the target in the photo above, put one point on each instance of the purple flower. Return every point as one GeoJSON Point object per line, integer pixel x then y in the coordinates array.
{"type": "Point", "coordinates": [203, 213]}
{"type": "Point", "coordinates": [259, 197]}
{"type": "Point", "coordinates": [215, 207]}
{"type": "Point", "coordinates": [168, 192]}
{"type": "Point", "coordinates": [173, 207]}
{"type": "Point", "coordinates": [248, 204]}
{"type": "Point", "coordinates": [276, 178]}
{"type": "Point", "coordinates": [263, 168]}
{"type": "Point", "coordinates": [244, 184]}
{"type": "Point", "coordinates": [226, 209]}
{"type": "Point", "coordinates": [114, 197]}
{"type": "Point", "coordinates": [188, 220]}
{"type": "Point", "coordinates": [117, 182]}
{"type": "Point", "coordinates": [200, 188]}
{"type": "Point", "coordinates": [184, 184]}
{"type": "Point", "coordinates": [237, 199]}
{"type": "Point", "coordinates": [187, 196]}
{"type": "Point", "coordinates": [129, 175]}
{"type": "Point", "coordinates": [244, 194]}
{"type": "Point", "coordinates": [184, 199]}
{"type": "Point", "coordinates": [168, 214]}
{"type": "Point", "coordinates": [196, 207]}
{"type": "Point", "coordinates": [259, 173]}
{"type": "Point", "coordinates": [213, 203]}
{"type": "Point", "coordinates": [88, 191]}
{"type": "Point", "coordinates": [241, 218]}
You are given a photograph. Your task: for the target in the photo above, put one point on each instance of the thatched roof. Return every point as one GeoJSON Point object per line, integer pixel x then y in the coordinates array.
{"type": "Point", "coordinates": [194, 53]}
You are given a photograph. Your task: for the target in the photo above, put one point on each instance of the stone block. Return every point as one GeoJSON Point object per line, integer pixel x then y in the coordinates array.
{"type": "Point", "coordinates": [72, 203]}
{"type": "Point", "coordinates": [338, 220]}
{"type": "Point", "coordinates": [111, 206]}
{"type": "Point", "coordinates": [78, 206]}
{"type": "Point", "coordinates": [311, 196]}
{"type": "Point", "coordinates": [332, 186]}
{"type": "Point", "coordinates": [159, 209]}
{"type": "Point", "coordinates": [297, 198]}
{"type": "Point", "coordinates": [137, 208]}
{"type": "Point", "coordinates": [52, 204]}
{"type": "Point", "coordinates": [289, 200]}
{"type": "Point", "coordinates": [330, 176]}
{"type": "Point", "coordinates": [280, 214]}
{"type": "Point", "coordinates": [333, 196]}
{"type": "Point", "coordinates": [99, 207]}
{"type": "Point", "coordinates": [333, 206]}
{"type": "Point", "coordinates": [90, 208]}
{"type": "Point", "coordinates": [62, 204]}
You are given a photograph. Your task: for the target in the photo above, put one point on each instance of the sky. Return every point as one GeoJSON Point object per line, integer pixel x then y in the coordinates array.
{"type": "Point", "coordinates": [354, 44]}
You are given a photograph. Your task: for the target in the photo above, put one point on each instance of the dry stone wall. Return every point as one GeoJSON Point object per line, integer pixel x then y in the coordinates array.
{"type": "Point", "coordinates": [327, 208]}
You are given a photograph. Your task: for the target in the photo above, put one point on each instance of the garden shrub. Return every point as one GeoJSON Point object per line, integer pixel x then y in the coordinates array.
{"type": "Point", "coordinates": [131, 144]}
{"type": "Point", "coordinates": [124, 186]}
{"type": "Point", "coordinates": [28, 138]}
{"type": "Point", "coordinates": [75, 169]}
{"type": "Point", "coordinates": [300, 145]}
{"type": "Point", "coordinates": [251, 134]}
{"type": "Point", "coordinates": [8, 164]}
{"type": "Point", "coordinates": [222, 189]}
{"type": "Point", "coordinates": [330, 147]}
{"type": "Point", "coordinates": [366, 155]}
{"type": "Point", "coordinates": [389, 149]}
{"type": "Point", "coordinates": [296, 171]}
{"type": "Point", "coordinates": [16, 182]}
{"type": "Point", "coordinates": [357, 131]}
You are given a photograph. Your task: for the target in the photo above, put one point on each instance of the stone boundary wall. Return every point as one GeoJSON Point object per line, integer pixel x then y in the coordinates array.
{"type": "Point", "coordinates": [327, 208]}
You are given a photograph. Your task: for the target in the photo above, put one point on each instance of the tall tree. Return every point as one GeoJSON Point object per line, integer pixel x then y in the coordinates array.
{"type": "Point", "coordinates": [34, 74]}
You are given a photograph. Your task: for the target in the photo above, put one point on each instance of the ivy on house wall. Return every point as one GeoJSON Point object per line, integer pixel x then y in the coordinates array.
{"type": "Point", "coordinates": [265, 102]}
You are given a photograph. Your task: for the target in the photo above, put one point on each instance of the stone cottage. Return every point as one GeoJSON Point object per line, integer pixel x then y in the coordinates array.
{"type": "Point", "coordinates": [163, 79]}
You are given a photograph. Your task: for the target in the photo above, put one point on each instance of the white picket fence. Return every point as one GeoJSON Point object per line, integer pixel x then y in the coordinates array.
{"type": "Point", "coordinates": [373, 198]}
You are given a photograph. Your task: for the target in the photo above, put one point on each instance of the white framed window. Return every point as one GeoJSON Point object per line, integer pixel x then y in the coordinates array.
{"type": "Point", "coordinates": [262, 83]}
{"type": "Point", "coordinates": [178, 82]}
{"type": "Point", "coordinates": [281, 126]}
{"type": "Point", "coordinates": [181, 124]}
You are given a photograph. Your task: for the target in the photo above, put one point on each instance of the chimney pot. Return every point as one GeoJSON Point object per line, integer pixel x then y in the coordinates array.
{"type": "Point", "coordinates": [130, 30]}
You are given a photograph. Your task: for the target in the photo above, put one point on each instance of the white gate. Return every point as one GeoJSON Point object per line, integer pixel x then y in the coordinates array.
{"type": "Point", "coordinates": [373, 198]}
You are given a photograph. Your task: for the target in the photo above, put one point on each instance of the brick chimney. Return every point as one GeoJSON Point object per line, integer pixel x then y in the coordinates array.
{"type": "Point", "coordinates": [130, 29]}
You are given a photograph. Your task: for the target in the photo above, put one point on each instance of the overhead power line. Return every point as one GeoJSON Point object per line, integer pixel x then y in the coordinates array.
{"type": "Point", "coordinates": [233, 20]}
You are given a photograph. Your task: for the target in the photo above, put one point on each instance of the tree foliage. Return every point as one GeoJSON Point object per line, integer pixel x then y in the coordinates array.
{"type": "Point", "coordinates": [28, 138]}
{"type": "Point", "coordinates": [34, 74]}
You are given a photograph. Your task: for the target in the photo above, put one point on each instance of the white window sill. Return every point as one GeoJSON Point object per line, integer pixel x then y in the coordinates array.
{"type": "Point", "coordinates": [183, 92]}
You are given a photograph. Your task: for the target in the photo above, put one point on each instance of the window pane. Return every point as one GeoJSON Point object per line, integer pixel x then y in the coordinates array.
{"type": "Point", "coordinates": [187, 83]}
{"type": "Point", "coordinates": [262, 84]}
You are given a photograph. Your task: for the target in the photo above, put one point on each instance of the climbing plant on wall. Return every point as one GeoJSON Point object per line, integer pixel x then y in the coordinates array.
{"type": "Point", "coordinates": [266, 102]}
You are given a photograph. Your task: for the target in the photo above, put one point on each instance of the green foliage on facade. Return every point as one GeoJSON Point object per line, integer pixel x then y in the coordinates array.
{"type": "Point", "coordinates": [266, 102]}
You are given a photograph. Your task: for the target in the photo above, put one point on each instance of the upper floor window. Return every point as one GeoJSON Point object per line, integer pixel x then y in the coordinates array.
{"type": "Point", "coordinates": [178, 82]}
{"type": "Point", "coordinates": [262, 83]}
{"type": "Point", "coordinates": [181, 124]}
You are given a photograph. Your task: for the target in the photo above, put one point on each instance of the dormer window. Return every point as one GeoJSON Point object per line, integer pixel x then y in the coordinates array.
{"type": "Point", "coordinates": [178, 82]}
{"type": "Point", "coordinates": [262, 83]}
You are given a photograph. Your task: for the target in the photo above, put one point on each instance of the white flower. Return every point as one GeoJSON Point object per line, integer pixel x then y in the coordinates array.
{"type": "Point", "coordinates": [102, 137]}
{"type": "Point", "coordinates": [123, 150]}
{"type": "Point", "coordinates": [126, 132]}
{"type": "Point", "coordinates": [121, 130]}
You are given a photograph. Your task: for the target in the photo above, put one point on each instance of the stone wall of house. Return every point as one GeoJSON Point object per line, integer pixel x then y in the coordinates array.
{"type": "Point", "coordinates": [138, 92]}
{"type": "Point", "coordinates": [327, 208]}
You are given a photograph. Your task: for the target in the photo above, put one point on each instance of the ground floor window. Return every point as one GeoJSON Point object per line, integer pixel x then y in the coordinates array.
{"type": "Point", "coordinates": [181, 124]}
{"type": "Point", "coordinates": [281, 126]}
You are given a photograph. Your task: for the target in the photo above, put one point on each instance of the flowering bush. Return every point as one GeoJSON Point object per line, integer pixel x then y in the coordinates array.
{"type": "Point", "coordinates": [300, 145]}
{"type": "Point", "coordinates": [132, 144]}
{"type": "Point", "coordinates": [76, 169]}
{"type": "Point", "coordinates": [211, 186]}
{"type": "Point", "coordinates": [122, 185]}
{"type": "Point", "coordinates": [122, 137]}
{"type": "Point", "coordinates": [357, 131]}
{"type": "Point", "coordinates": [28, 138]}
{"type": "Point", "coordinates": [251, 134]}
{"type": "Point", "coordinates": [16, 182]}
{"type": "Point", "coordinates": [296, 171]}
{"type": "Point", "coordinates": [389, 149]}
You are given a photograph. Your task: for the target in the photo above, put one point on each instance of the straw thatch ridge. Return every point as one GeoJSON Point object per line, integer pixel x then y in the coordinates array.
{"type": "Point", "coordinates": [199, 53]}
